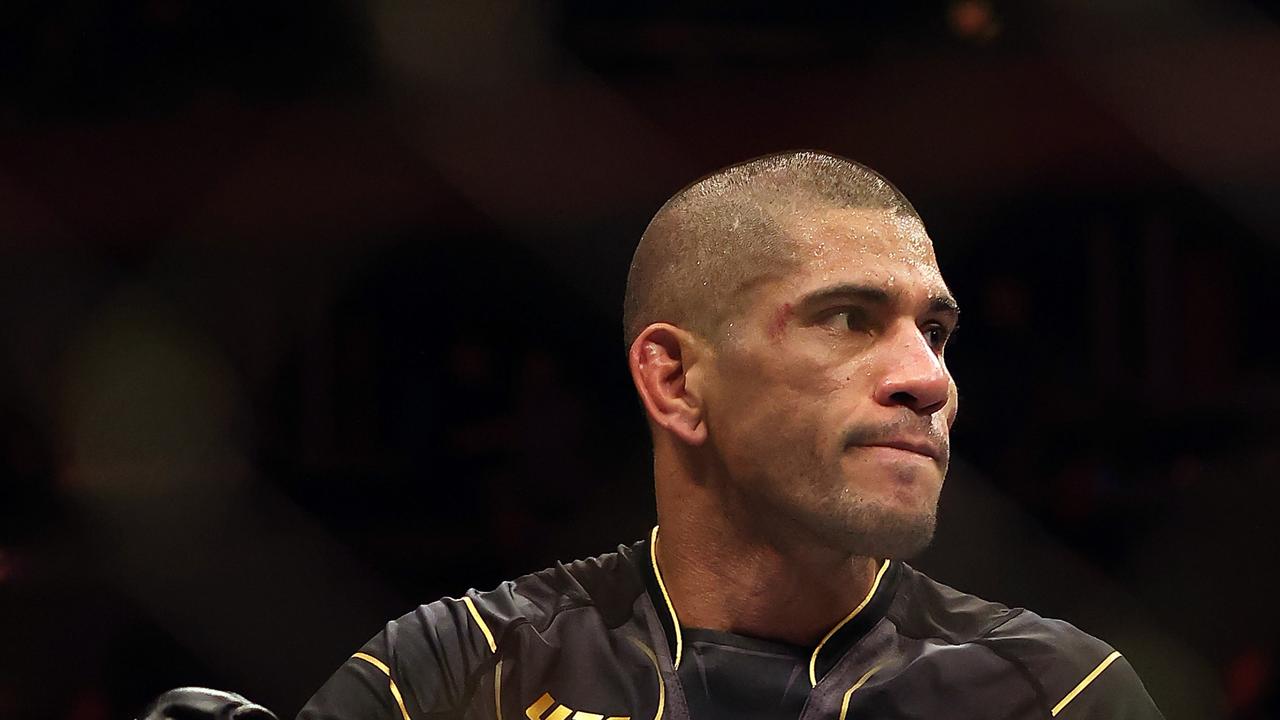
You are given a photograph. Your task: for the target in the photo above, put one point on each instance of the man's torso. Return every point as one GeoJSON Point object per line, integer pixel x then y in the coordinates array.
{"type": "Point", "coordinates": [598, 639]}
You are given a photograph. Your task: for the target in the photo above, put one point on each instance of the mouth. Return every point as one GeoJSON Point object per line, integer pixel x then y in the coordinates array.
{"type": "Point", "coordinates": [918, 447]}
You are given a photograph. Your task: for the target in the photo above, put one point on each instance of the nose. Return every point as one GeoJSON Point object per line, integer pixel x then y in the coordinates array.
{"type": "Point", "coordinates": [914, 376]}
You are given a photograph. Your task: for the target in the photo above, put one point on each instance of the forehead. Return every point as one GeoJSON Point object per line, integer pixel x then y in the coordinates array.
{"type": "Point", "coordinates": [841, 244]}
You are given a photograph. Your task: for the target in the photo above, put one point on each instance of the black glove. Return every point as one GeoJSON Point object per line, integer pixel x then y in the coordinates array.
{"type": "Point", "coordinates": [197, 703]}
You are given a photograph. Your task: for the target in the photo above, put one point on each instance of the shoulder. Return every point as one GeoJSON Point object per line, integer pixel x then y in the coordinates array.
{"type": "Point", "coordinates": [1079, 675]}
{"type": "Point", "coordinates": [925, 608]}
{"type": "Point", "coordinates": [427, 660]}
{"type": "Point", "coordinates": [1075, 674]}
{"type": "Point", "coordinates": [608, 584]}
{"type": "Point", "coordinates": [473, 628]}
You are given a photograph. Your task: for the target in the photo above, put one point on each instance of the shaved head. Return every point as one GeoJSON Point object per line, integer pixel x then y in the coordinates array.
{"type": "Point", "coordinates": [716, 239]}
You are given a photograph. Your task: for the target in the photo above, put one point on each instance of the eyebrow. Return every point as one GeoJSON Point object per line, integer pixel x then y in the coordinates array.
{"type": "Point", "coordinates": [875, 295]}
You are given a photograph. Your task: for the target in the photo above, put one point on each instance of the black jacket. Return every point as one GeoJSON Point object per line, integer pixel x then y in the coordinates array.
{"type": "Point", "coordinates": [597, 639]}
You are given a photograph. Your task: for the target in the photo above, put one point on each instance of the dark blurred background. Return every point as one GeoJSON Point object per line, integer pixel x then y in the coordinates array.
{"type": "Point", "coordinates": [310, 312]}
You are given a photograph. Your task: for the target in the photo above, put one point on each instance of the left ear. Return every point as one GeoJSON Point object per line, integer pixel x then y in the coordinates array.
{"type": "Point", "coordinates": [667, 374]}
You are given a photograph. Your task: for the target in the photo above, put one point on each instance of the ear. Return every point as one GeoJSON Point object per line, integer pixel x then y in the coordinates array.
{"type": "Point", "coordinates": [667, 366]}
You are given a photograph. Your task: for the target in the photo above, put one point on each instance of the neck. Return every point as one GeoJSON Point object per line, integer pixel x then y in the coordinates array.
{"type": "Point", "coordinates": [723, 576]}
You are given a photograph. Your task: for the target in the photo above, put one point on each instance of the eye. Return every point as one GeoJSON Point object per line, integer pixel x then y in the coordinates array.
{"type": "Point", "coordinates": [937, 334]}
{"type": "Point", "coordinates": [854, 318]}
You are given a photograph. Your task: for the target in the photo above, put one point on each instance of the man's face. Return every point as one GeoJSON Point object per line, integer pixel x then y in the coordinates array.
{"type": "Point", "coordinates": [832, 406]}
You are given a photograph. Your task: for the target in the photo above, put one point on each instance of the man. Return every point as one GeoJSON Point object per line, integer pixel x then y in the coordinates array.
{"type": "Point", "coordinates": [786, 326]}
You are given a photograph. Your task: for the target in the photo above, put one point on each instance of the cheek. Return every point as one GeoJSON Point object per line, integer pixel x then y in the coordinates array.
{"type": "Point", "coordinates": [784, 380]}
{"type": "Point", "coordinates": [776, 401]}
{"type": "Point", "coordinates": [771, 418]}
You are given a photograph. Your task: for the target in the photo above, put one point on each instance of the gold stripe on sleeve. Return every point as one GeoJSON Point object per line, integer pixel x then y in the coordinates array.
{"type": "Point", "coordinates": [1085, 682]}
{"type": "Point", "coordinates": [395, 691]}
{"type": "Point", "coordinates": [813, 660]}
{"type": "Point", "coordinates": [471, 607]}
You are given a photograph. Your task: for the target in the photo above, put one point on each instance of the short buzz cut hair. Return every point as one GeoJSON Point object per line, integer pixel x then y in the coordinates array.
{"type": "Point", "coordinates": [721, 235]}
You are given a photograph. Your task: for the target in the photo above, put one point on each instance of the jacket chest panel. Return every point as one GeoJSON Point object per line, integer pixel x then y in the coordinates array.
{"type": "Point", "coordinates": [571, 671]}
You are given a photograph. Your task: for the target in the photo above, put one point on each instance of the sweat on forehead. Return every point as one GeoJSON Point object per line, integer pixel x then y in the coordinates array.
{"type": "Point", "coordinates": [867, 230]}
{"type": "Point", "coordinates": [721, 235]}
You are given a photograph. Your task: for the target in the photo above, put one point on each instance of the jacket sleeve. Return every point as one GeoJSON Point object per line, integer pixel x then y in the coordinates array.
{"type": "Point", "coordinates": [1110, 690]}
{"type": "Point", "coordinates": [1077, 676]}
{"type": "Point", "coordinates": [416, 668]}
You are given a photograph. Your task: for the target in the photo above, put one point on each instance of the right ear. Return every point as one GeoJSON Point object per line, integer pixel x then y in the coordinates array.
{"type": "Point", "coordinates": [668, 370]}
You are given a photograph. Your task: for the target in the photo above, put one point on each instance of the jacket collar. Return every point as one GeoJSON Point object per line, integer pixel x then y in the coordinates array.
{"type": "Point", "coordinates": [828, 650]}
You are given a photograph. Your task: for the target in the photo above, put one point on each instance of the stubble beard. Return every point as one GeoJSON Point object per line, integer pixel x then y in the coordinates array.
{"type": "Point", "coordinates": [836, 516]}
{"type": "Point", "coordinates": [867, 528]}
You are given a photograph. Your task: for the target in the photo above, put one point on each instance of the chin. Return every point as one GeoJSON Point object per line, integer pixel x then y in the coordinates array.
{"type": "Point", "coordinates": [872, 529]}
